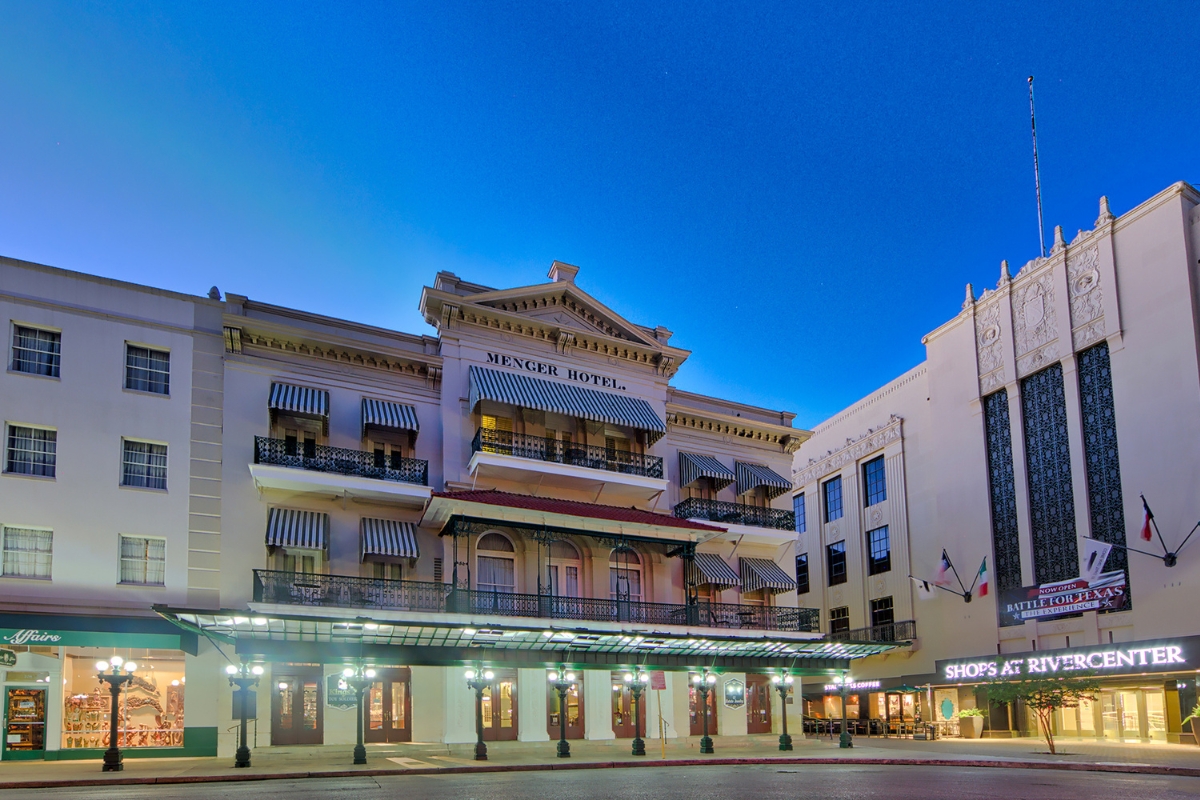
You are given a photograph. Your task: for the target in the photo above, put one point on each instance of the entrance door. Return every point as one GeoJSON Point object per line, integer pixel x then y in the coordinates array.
{"type": "Point", "coordinates": [24, 723]}
{"type": "Point", "coordinates": [500, 707]}
{"type": "Point", "coordinates": [1122, 717]}
{"type": "Point", "coordinates": [758, 704]}
{"type": "Point", "coordinates": [694, 711]}
{"type": "Point", "coordinates": [622, 708]}
{"type": "Point", "coordinates": [574, 712]}
{"type": "Point", "coordinates": [389, 707]}
{"type": "Point", "coordinates": [296, 706]}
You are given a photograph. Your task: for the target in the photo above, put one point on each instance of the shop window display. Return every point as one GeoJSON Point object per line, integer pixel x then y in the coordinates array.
{"type": "Point", "coordinates": [150, 710]}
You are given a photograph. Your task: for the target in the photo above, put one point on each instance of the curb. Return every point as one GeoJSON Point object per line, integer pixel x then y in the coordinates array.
{"type": "Point", "coordinates": [1069, 766]}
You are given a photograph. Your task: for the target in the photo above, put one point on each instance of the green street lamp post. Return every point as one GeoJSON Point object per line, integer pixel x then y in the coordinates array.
{"type": "Point", "coordinates": [845, 739]}
{"type": "Point", "coordinates": [111, 673]}
{"type": "Point", "coordinates": [562, 681]}
{"type": "Point", "coordinates": [359, 678]}
{"type": "Point", "coordinates": [243, 677]}
{"type": "Point", "coordinates": [704, 684]}
{"type": "Point", "coordinates": [783, 683]}
{"type": "Point", "coordinates": [637, 683]}
{"type": "Point", "coordinates": [479, 680]}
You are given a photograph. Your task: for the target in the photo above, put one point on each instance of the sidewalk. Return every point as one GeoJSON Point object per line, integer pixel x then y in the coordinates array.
{"type": "Point", "coordinates": [424, 759]}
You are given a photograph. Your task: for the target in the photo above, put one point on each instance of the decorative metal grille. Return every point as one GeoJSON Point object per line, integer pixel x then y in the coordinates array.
{"type": "Point", "coordinates": [1107, 509]}
{"type": "Point", "coordinates": [735, 513]}
{"type": "Point", "coordinates": [1048, 460]}
{"type": "Point", "coordinates": [1006, 545]}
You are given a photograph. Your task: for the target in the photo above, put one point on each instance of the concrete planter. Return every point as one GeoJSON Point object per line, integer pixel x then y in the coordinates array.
{"type": "Point", "coordinates": [970, 727]}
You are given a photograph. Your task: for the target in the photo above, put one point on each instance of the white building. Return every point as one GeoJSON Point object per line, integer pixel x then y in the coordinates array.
{"type": "Point", "coordinates": [1042, 412]}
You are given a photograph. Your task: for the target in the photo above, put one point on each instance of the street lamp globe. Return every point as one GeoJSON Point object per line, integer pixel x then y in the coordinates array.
{"type": "Point", "coordinates": [130, 666]}
{"type": "Point", "coordinates": [102, 666]}
{"type": "Point", "coordinates": [488, 675]}
{"type": "Point", "coordinates": [231, 669]}
{"type": "Point", "coordinates": [257, 669]}
{"type": "Point", "coordinates": [116, 661]}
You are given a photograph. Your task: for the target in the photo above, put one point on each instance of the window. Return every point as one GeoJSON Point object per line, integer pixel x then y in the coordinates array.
{"type": "Point", "coordinates": [802, 573]}
{"type": "Point", "coordinates": [147, 370]}
{"type": "Point", "coordinates": [874, 481]}
{"type": "Point", "coordinates": [836, 558]}
{"type": "Point", "coordinates": [625, 575]}
{"type": "Point", "coordinates": [387, 571]}
{"type": "Point", "coordinates": [833, 498]}
{"type": "Point", "coordinates": [879, 548]}
{"type": "Point", "coordinates": [290, 562]}
{"type": "Point", "coordinates": [839, 620]}
{"type": "Point", "coordinates": [143, 560]}
{"type": "Point", "coordinates": [798, 508]}
{"type": "Point", "coordinates": [36, 352]}
{"type": "Point", "coordinates": [882, 612]}
{"type": "Point", "coordinates": [31, 451]}
{"type": "Point", "coordinates": [27, 553]}
{"type": "Point", "coordinates": [497, 573]}
{"type": "Point", "coordinates": [144, 464]}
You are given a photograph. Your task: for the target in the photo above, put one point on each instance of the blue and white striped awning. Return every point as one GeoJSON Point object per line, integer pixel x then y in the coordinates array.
{"type": "Point", "coordinates": [711, 569]}
{"type": "Point", "coordinates": [290, 527]}
{"type": "Point", "coordinates": [527, 391]}
{"type": "Point", "coordinates": [387, 537]}
{"type": "Point", "coordinates": [385, 414]}
{"type": "Point", "coordinates": [751, 476]}
{"type": "Point", "coordinates": [693, 467]}
{"type": "Point", "coordinates": [765, 574]}
{"type": "Point", "coordinates": [299, 400]}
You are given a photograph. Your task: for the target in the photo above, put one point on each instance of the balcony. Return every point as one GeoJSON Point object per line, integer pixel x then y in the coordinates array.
{"type": "Point", "coordinates": [279, 464]}
{"type": "Point", "coordinates": [736, 514]}
{"type": "Point", "coordinates": [619, 475]}
{"type": "Point", "coordinates": [345, 591]}
{"type": "Point", "coordinates": [904, 631]}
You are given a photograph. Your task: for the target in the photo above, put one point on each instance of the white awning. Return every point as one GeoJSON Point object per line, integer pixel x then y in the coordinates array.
{"type": "Point", "coordinates": [751, 476]}
{"type": "Point", "coordinates": [289, 527]}
{"type": "Point", "coordinates": [299, 400]}
{"type": "Point", "coordinates": [385, 414]}
{"type": "Point", "coordinates": [713, 570]}
{"type": "Point", "coordinates": [527, 391]}
{"type": "Point", "coordinates": [387, 537]}
{"type": "Point", "coordinates": [763, 573]}
{"type": "Point", "coordinates": [693, 467]}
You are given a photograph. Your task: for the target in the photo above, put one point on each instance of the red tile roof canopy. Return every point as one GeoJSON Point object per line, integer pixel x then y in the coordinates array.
{"type": "Point", "coordinates": [575, 508]}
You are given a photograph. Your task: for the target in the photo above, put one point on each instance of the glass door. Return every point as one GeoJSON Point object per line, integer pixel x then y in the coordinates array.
{"type": "Point", "coordinates": [1156, 715]}
{"type": "Point", "coordinates": [296, 706]}
{"type": "Point", "coordinates": [500, 707]}
{"type": "Point", "coordinates": [1131, 720]}
{"type": "Point", "coordinates": [695, 718]}
{"type": "Point", "coordinates": [24, 723]}
{"type": "Point", "coordinates": [574, 712]}
{"type": "Point", "coordinates": [622, 708]}
{"type": "Point", "coordinates": [389, 707]}
{"type": "Point", "coordinates": [758, 704]}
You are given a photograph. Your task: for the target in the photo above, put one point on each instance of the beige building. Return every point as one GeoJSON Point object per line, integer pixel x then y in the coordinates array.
{"type": "Point", "coordinates": [1043, 410]}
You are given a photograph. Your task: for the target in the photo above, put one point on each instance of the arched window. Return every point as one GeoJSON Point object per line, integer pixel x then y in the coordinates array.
{"type": "Point", "coordinates": [625, 575]}
{"type": "Point", "coordinates": [564, 569]}
{"type": "Point", "coordinates": [497, 570]}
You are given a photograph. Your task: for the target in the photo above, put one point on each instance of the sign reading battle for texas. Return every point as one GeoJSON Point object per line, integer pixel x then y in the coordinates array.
{"type": "Point", "coordinates": [1093, 590]}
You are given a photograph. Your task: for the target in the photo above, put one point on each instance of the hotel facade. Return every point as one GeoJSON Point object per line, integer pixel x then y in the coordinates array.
{"type": "Point", "coordinates": [1043, 412]}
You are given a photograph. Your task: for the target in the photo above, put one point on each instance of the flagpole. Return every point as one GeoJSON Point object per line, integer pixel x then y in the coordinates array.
{"type": "Point", "coordinates": [1185, 539]}
{"type": "Point", "coordinates": [1154, 522]}
{"type": "Point", "coordinates": [965, 591]}
{"type": "Point", "coordinates": [937, 586]}
{"type": "Point", "coordinates": [1143, 552]}
{"type": "Point", "coordinates": [1037, 178]}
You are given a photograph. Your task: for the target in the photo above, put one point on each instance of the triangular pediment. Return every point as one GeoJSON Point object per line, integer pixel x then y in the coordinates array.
{"type": "Point", "coordinates": [566, 306]}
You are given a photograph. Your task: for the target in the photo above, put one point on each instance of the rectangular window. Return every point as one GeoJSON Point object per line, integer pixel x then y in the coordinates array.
{"type": "Point", "coordinates": [388, 571]}
{"type": "Point", "coordinates": [802, 573]}
{"type": "Point", "coordinates": [144, 465]}
{"type": "Point", "coordinates": [874, 482]}
{"type": "Point", "coordinates": [31, 451]}
{"type": "Point", "coordinates": [147, 370]}
{"type": "Point", "coordinates": [27, 553]}
{"type": "Point", "coordinates": [879, 548]}
{"type": "Point", "coordinates": [836, 558]}
{"type": "Point", "coordinates": [832, 490]}
{"type": "Point", "coordinates": [143, 560]}
{"type": "Point", "coordinates": [839, 620]}
{"type": "Point", "coordinates": [35, 351]}
{"type": "Point", "coordinates": [882, 612]}
{"type": "Point", "coordinates": [798, 508]}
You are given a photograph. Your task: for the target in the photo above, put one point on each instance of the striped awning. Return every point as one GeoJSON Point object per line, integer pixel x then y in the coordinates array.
{"type": "Point", "coordinates": [384, 414]}
{"type": "Point", "coordinates": [387, 537]}
{"type": "Point", "coordinates": [765, 574]}
{"type": "Point", "coordinates": [751, 476]}
{"type": "Point", "coordinates": [693, 467]}
{"type": "Point", "coordinates": [711, 569]}
{"type": "Point", "coordinates": [289, 527]}
{"type": "Point", "coordinates": [561, 398]}
{"type": "Point", "coordinates": [299, 400]}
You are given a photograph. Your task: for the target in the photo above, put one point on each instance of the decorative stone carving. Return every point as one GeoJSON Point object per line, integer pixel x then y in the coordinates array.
{"type": "Point", "coordinates": [1034, 321]}
{"type": "Point", "coordinates": [566, 340]}
{"type": "Point", "coordinates": [1032, 362]}
{"type": "Point", "coordinates": [987, 338]}
{"type": "Point", "coordinates": [449, 315]}
{"type": "Point", "coordinates": [876, 516]}
{"type": "Point", "coordinates": [1105, 215]}
{"type": "Point", "coordinates": [1087, 298]}
{"type": "Point", "coordinates": [990, 382]}
{"type": "Point", "coordinates": [855, 449]}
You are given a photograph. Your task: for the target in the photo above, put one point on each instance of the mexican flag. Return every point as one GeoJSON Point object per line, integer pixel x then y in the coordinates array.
{"type": "Point", "coordinates": [982, 578]}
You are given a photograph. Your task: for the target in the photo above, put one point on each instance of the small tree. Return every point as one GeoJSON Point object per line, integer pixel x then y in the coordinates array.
{"type": "Point", "coordinates": [1045, 696]}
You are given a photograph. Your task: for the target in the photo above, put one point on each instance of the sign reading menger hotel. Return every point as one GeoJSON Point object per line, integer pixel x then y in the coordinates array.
{"type": "Point", "coordinates": [552, 370]}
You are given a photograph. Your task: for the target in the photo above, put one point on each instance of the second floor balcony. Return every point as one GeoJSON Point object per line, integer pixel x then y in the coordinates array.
{"type": "Point", "coordinates": [347, 591]}
{"type": "Point", "coordinates": [736, 514]}
{"type": "Point", "coordinates": [299, 466]}
{"type": "Point", "coordinates": [903, 631]}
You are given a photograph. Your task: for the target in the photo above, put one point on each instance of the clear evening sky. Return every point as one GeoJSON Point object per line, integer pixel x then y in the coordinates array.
{"type": "Point", "coordinates": [799, 191]}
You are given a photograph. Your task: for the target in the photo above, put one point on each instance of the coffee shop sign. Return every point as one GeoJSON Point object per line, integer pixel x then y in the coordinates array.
{"type": "Point", "coordinates": [1154, 658]}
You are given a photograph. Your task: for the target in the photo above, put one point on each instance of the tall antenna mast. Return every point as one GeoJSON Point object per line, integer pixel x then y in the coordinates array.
{"type": "Point", "coordinates": [1037, 178]}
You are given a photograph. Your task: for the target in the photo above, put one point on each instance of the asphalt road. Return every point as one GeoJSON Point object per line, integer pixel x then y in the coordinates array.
{"type": "Point", "coordinates": [827, 782]}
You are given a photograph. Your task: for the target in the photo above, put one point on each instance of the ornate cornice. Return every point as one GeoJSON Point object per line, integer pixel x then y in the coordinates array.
{"type": "Point", "coordinates": [786, 438]}
{"type": "Point", "coordinates": [854, 449]}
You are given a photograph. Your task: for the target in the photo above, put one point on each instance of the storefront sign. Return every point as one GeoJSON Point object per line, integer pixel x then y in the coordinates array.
{"type": "Point", "coordinates": [54, 638]}
{"type": "Point", "coordinates": [338, 693]}
{"type": "Point", "coordinates": [1053, 600]}
{"type": "Point", "coordinates": [658, 679]}
{"type": "Point", "coordinates": [27, 636]}
{"type": "Point", "coordinates": [735, 693]}
{"type": "Point", "coordinates": [1163, 655]}
{"type": "Point", "coordinates": [554, 371]}
{"type": "Point", "coordinates": [852, 687]}
{"type": "Point", "coordinates": [8, 658]}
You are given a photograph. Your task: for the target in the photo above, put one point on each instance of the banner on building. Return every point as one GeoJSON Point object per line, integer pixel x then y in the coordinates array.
{"type": "Point", "coordinates": [1093, 590]}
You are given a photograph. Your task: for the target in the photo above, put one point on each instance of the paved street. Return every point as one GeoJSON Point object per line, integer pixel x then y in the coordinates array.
{"type": "Point", "coordinates": [829, 782]}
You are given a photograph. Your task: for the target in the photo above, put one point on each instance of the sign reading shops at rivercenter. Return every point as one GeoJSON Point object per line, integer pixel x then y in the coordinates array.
{"type": "Point", "coordinates": [1159, 655]}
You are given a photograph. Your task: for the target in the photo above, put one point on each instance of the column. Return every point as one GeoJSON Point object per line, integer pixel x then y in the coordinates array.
{"type": "Point", "coordinates": [666, 701]}
{"type": "Point", "coordinates": [597, 703]}
{"type": "Point", "coordinates": [730, 721]}
{"type": "Point", "coordinates": [459, 706]}
{"type": "Point", "coordinates": [532, 713]}
{"type": "Point", "coordinates": [428, 692]}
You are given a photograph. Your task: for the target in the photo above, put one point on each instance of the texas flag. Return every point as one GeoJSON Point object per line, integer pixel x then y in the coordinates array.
{"type": "Point", "coordinates": [943, 570]}
{"type": "Point", "coordinates": [982, 578]}
{"type": "Point", "coordinates": [1146, 521]}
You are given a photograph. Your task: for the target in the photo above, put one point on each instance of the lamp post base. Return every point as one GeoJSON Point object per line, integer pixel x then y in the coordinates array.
{"type": "Point", "coordinates": [706, 744]}
{"type": "Point", "coordinates": [844, 740]}
{"type": "Point", "coordinates": [242, 757]}
{"type": "Point", "coordinates": [785, 741]}
{"type": "Point", "coordinates": [112, 760]}
{"type": "Point", "coordinates": [639, 747]}
{"type": "Point", "coordinates": [564, 748]}
{"type": "Point", "coordinates": [360, 754]}
{"type": "Point", "coordinates": [480, 751]}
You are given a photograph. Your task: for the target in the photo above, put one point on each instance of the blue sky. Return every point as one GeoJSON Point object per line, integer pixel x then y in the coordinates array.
{"type": "Point", "coordinates": [799, 191]}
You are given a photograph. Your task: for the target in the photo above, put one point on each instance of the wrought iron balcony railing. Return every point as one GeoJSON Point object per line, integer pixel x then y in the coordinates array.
{"type": "Point", "coordinates": [339, 461]}
{"type": "Point", "coordinates": [537, 448]}
{"type": "Point", "coordinates": [347, 591]}
{"type": "Point", "coordinates": [904, 631]}
{"type": "Point", "coordinates": [736, 513]}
